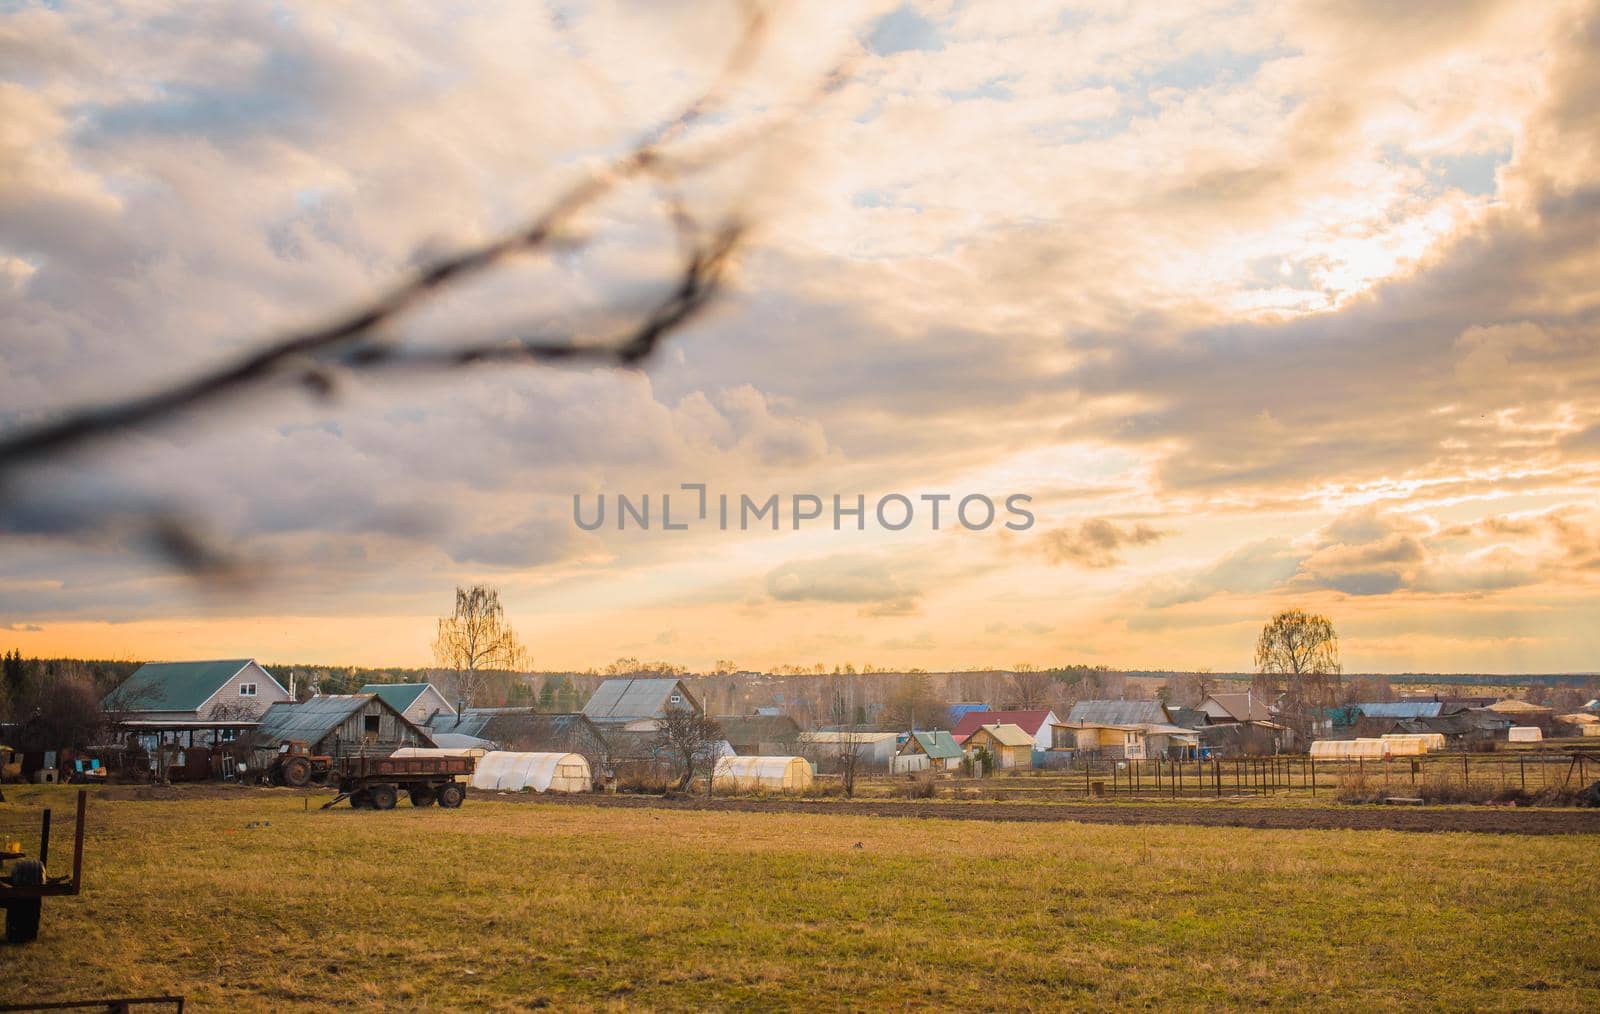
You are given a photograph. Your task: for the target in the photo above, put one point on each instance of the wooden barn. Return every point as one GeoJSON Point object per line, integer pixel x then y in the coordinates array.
{"type": "Point", "coordinates": [336, 725]}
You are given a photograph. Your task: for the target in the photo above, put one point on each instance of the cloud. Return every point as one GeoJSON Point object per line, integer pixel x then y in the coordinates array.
{"type": "Point", "coordinates": [1368, 552]}
{"type": "Point", "coordinates": [1094, 543]}
{"type": "Point", "coordinates": [868, 580]}
{"type": "Point", "coordinates": [23, 628]}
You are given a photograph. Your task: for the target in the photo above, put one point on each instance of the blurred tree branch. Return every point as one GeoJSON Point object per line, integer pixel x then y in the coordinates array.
{"type": "Point", "coordinates": [355, 343]}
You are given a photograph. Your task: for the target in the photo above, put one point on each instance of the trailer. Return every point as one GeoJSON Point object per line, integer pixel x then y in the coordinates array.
{"type": "Point", "coordinates": [25, 886]}
{"type": "Point", "coordinates": [375, 783]}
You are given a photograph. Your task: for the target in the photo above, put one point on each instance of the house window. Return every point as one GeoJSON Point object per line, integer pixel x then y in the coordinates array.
{"type": "Point", "coordinates": [247, 690]}
{"type": "Point", "coordinates": [676, 698]}
{"type": "Point", "coordinates": [372, 723]}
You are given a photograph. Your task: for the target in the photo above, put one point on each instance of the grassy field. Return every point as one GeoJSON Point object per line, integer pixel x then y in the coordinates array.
{"type": "Point", "coordinates": [506, 906]}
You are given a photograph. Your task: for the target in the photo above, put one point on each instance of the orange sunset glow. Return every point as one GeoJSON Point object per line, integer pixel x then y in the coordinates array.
{"type": "Point", "coordinates": [1251, 305]}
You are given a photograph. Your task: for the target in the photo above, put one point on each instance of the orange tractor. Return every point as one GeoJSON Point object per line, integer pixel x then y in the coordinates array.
{"type": "Point", "coordinates": [296, 766]}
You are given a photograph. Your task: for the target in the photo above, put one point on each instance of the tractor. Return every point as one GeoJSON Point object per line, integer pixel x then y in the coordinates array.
{"type": "Point", "coordinates": [296, 766]}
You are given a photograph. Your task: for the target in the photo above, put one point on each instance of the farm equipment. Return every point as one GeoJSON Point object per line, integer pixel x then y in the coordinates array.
{"type": "Point", "coordinates": [296, 766]}
{"type": "Point", "coordinates": [375, 783]}
{"type": "Point", "coordinates": [24, 888]}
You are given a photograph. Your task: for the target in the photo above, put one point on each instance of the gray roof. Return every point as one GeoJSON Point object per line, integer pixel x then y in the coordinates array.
{"type": "Point", "coordinates": [629, 699]}
{"type": "Point", "coordinates": [310, 720]}
{"type": "Point", "coordinates": [1117, 713]}
{"type": "Point", "coordinates": [519, 729]}
{"type": "Point", "coordinates": [1402, 709]}
{"type": "Point", "coordinates": [739, 729]}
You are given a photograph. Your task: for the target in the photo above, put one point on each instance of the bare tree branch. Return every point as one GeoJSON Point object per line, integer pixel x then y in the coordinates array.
{"type": "Point", "coordinates": [357, 342]}
{"type": "Point", "coordinates": [303, 357]}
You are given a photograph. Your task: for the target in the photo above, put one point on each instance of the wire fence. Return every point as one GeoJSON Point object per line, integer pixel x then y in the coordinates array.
{"type": "Point", "coordinates": [1436, 775]}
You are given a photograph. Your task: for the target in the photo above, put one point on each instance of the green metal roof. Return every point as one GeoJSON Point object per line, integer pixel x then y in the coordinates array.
{"type": "Point", "coordinates": [938, 744]}
{"type": "Point", "coordinates": [173, 686]}
{"type": "Point", "coordinates": [398, 696]}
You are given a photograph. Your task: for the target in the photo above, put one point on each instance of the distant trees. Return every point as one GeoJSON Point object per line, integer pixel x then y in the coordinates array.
{"type": "Point", "coordinates": [1297, 664]}
{"type": "Point", "coordinates": [476, 639]}
{"type": "Point", "coordinates": [1027, 689]}
{"type": "Point", "coordinates": [63, 712]}
{"type": "Point", "coordinates": [913, 704]}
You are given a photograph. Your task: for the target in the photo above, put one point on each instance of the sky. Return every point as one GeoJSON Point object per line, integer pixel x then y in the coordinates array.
{"type": "Point", "coordinates": [1258, 305]}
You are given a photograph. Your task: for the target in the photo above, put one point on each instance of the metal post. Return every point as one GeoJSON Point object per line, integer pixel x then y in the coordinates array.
{"type": "Point", "coordinates": [44, 838]}
{"type": "Point", "coordinates": [1313, 778]}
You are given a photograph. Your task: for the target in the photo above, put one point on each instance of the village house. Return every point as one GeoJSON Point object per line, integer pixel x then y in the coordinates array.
{"type": "Point", "coordinates": [637, 704]}
{"type": "Point", "coordinates": [195, 692]}
{"type": "Point", "coordinates": [1118, 713]}
{"type": "Point", "coordinates": [1009, 745]}
{"type": "Point", "coordinates": [1223, 709]}
{"type": "Point", "coordinates": [419, 702]}
{"type": "Point", "coordinates": [1036, 723]}
{"type": "Point", "coordinates": [929, 750]}
{"type": "Point", "coordinates": [1145, 741]}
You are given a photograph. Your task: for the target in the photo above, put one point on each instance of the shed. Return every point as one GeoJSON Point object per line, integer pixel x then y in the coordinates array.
{"type": "Point", "coordinates": [336, 724]}
{"type": "Point", "coordinates": [1524, 734]}
{"type": "Point", "coordinates": [1009, 745]}
{"type": "Point", "coordinates": [504, 771]}
{"type": "Point", "coordinates": [779, 774]}
{"type": "Point", "coordinates": [874, 750]}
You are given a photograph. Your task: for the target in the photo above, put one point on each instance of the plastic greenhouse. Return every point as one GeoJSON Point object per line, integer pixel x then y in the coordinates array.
{"type": "Point", "coordinates": [781, 774]}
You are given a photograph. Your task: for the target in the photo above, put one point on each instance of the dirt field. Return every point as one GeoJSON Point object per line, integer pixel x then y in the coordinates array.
{"type": "Point", "coordinates": [1333, 816]}
{"type": "Point", "coordinates": [258, 900]}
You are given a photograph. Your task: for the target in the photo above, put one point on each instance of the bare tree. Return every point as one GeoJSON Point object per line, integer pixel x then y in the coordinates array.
{"type": "Point", "coordinates": [476, 638]}
{"type": "Point", "coordinates": [1027, 689]}
{"type": "Point", "coordinates": [692, 740]}
{"type": "Point", "coordinates": [850, 760]}
{"type": "Point", "coordinates": [1297, 663]}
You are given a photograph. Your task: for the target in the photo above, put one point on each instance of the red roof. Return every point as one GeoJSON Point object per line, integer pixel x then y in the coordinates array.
{"type": "Point", "coordinates": [972, 721]}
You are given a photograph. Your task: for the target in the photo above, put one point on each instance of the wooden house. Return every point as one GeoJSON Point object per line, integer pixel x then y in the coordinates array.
{"type": "Point", "coordinates": [1009, 745]}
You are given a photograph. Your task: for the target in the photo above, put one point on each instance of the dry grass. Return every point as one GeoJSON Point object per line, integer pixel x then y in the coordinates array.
{"type": "Point", "coordinates": [502, 906]}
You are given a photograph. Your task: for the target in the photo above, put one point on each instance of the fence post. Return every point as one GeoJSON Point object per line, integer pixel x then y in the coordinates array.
{"type": "Point", "coordinates": [1313, 778]}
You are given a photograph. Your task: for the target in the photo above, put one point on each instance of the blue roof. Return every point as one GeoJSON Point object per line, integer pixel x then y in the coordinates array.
{"type": "Point", "coordinates": [1401, 709]}
{"type": "Point", "coordinates": [961, 710]}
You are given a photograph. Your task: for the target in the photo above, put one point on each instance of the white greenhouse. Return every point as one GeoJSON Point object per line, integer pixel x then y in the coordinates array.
{"type": "Point", "coordinates": [505, 771]}
{"type": "Point", "coordinates": [1429, 740]}
{"type": "Point", "coordinates": [747, 774]}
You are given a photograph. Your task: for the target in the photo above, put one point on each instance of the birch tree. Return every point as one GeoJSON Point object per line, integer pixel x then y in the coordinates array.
{"type": "Point", "coordinates": [476, 640]}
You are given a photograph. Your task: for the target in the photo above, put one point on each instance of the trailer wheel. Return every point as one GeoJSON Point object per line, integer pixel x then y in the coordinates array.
{"type": "Point", "coordinates": [423, 797]}
{"type": "Point", "coordinates": [22, 914]}
{"type": "Point", "coordinates": [360, 800]}
{"type": "Point", "coordinates": [296, 772]}
{"type": "Point", "coordinates": [450, 796]}
{"type": "Point", "coordinates": [383, 797]}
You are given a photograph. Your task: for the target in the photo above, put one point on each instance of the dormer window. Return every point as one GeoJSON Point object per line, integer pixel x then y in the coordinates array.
{"type": "Point", "coordinates": [247, 690]}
